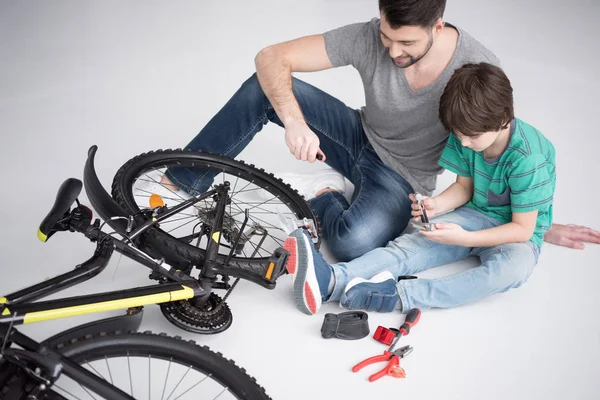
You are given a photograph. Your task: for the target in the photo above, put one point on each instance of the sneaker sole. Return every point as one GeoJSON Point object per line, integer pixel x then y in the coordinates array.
{"type": "Point", "coordinates": [300, 266]}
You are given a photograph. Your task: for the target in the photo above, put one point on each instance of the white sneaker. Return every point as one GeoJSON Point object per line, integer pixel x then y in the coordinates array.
{"type": "Point", "coordinates": [309, 184]}
{"type": "Point", "coordinates": [149, 183]}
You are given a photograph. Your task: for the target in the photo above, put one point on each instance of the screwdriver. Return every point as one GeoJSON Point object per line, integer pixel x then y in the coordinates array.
{"type": "Point", "coordinates": [419, 198]}
{"type": "Point", "coordinates": [412, 317]}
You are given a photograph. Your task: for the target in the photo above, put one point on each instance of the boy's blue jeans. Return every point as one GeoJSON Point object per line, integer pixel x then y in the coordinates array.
{"type": "Point", "coordinates": [502, 267]}
{"type": "Point", "coordinates": [380, 208]}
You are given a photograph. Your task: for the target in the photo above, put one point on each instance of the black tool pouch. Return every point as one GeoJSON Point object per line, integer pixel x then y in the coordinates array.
{"type": "Point", "coordinates": [350, 325]}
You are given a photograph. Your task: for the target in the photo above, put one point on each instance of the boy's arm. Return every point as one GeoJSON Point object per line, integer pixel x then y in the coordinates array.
{"type": "Point", "coordinates": [456, 195]}
{"type": "Point", "coordinates": [461, 191]}
{"type": "Point", "coordinates": [532, 189]}
{"type": "Point", "coordinates": [520, 229]}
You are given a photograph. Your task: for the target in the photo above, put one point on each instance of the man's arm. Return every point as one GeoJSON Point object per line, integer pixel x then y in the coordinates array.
{"type": "Point", "coordinates": [572, 236]}
{"type": "Point", "coordinates": [274, 67]}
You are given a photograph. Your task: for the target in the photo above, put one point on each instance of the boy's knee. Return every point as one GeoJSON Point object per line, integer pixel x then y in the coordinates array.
{"type": "Point", "coordinates": [516, 276]}
{"type": "Point", "coordinates": [513, 274]}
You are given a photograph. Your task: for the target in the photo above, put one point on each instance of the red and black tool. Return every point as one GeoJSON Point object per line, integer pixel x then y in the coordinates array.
{"type": "Point", "coordinates": [390, 355]}
{"type": "Point", "coordinates": [388, 335]}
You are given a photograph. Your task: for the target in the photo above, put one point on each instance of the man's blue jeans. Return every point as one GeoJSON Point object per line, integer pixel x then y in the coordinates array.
{"type": "Point", "coordinates": [380, 208]}
{"type": "Point", "coordinates": [502, 267]}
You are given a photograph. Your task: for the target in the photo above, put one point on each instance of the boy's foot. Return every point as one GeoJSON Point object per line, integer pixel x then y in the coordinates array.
{"type": "Point", "coordinates": [153, 183]}
{"type": "Point", "coordinates": [308, 185]}
{"type": "Point", "coordinates": [376, 294]}
{"type": "Point", "coordinates": [309, 270]}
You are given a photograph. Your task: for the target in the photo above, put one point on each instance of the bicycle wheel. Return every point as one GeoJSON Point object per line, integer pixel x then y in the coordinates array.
{"type": "Point", "coordinates": [150, 366]}
{"type": "Point", "coordinates": [266, 197]}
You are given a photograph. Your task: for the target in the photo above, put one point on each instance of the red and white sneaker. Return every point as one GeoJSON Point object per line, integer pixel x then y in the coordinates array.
{"type": "Point", "coordinates": [310, 272]}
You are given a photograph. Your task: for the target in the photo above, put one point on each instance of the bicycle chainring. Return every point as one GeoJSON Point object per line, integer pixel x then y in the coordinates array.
{"type": "Point", "coordinates": [213, 318]}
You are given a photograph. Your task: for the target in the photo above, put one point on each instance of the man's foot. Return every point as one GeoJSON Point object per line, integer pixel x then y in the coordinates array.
{"type": "Point", "coordinates": [308, 185]}
{"type": "Point", "coordinates": [376, 294]}
{"type": "Point", "coordinates": [310, 272]}
{"type": "Point", "coordinates": [155, 183]}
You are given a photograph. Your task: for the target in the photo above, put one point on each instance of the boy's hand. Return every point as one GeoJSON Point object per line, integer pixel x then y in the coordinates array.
{"type": "Point", "coordinates": [451, 234]}
{"type": "Point", "coordinates": [428, 203]}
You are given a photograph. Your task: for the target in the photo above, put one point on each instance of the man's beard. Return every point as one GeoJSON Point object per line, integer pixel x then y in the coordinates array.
{"type": "Point", "coordinates": [412, 60]}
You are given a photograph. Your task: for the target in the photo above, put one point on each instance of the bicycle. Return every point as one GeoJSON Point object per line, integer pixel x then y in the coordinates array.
{"type": "Point", "coordinates": [32, 370]}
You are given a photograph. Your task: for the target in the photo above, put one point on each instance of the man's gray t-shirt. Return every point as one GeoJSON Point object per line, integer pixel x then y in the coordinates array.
{"type": "Point", "coordinates": [402, 124]}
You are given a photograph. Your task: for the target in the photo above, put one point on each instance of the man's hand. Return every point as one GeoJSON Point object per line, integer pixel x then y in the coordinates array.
{"type": "Point", "coordinates": [451, 234]}
{"type": "Point", "coordinates": [302, 142]}
{"type": "Point", "coordinates": [571, 236]}
{"type": "Point", "coordinates": [428, 203]}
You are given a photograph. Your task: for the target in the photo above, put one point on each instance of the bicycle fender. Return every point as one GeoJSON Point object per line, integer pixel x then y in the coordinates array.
{"type": "Point", "coordinates": [129, 322]}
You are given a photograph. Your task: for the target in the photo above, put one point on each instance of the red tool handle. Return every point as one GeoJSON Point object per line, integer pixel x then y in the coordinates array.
{"type": "Point", "coordinates": [392, 369]}
{"type": "Point", "coordinates": [371, 360]}
{"type": "Point", "coordinates": [411, 320]}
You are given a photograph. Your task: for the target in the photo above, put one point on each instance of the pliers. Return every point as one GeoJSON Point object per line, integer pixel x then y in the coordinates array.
{"type": "Point", "coordinates": [392, 368]}
{"type": "Point", "coordinates": [390, 355]}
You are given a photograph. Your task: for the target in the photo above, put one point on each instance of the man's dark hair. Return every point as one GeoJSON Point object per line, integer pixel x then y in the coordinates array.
{"type": "Point", "coordinates": [477, 99]}
{"type": "Point", "coordinates": [424, 13]}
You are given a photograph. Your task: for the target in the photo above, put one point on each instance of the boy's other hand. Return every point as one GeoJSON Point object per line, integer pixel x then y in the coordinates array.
{"type": "Point", "coordinates": [428, 203]}
{"type": "Point", "coordinates": [451, 234]}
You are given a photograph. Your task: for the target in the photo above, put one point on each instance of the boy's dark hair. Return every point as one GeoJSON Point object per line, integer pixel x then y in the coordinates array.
{"type": "Point", "coordinates": [424, 13]}
{"type": "Point", "coordinates": [477, 99]}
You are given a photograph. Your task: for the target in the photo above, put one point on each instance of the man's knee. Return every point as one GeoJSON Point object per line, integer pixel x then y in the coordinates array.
{"type": "Point", "coordinates": [251, 87]}
{"type": "Point", "coordinates": [354, 243]}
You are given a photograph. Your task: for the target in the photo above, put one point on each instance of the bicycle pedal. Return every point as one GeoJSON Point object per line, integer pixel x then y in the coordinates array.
{"type": "Point", "coordinates": [276, 264]}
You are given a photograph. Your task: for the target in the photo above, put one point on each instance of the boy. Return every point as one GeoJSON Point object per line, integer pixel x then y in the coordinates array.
{"type": "Point", "coordinates": [501, 202]}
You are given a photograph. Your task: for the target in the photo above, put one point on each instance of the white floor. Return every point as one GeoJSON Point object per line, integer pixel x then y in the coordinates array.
{"type": "Point", "coordinates": [135, 76]}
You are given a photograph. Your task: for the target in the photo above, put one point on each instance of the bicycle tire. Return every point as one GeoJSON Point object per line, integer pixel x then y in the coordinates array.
{"type": "Point", "coordinates": [165, 243]}
{"type": "Point", "coordinates": [160, 346]}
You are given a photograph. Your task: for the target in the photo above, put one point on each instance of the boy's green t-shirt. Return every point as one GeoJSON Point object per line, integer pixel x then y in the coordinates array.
{"type": "Point", "coordinates": [521, 179]}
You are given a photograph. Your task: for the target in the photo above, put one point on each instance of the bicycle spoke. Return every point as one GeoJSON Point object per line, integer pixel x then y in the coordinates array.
{"type": "Point", "coordinates": [197, 383]}
{"type": "Point", "coordinates": [170, 221]}
{"type": "Point", "coordinates": [64, 390]}
{"type": "Point", "coordinates": [179, 383]}
{"type": "Point", "coordinates": [166, 379]}
{"type": "Point", "coordinates": [187, 223]}
{"type": "Point", "coordinates": [219, 395]}
{"type": "Point", "coordinates": [109, 373]}
{"type": "Point", "coordinates": [87, 391]}
{"type": "Point", "coordinates": [158, 182]}
{"type": "Point", "coordinates": [95, 370]}
{"type": "Point", "coordinates": [149, 377]}
{"type": "Point", "coordinates": [130, 380]}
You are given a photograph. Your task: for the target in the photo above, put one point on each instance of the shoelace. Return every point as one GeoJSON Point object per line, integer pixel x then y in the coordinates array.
{"type": "Point", "coordinates": [350, 325]}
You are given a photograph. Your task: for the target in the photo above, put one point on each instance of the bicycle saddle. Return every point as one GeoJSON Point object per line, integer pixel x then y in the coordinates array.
{"type": "Point", "coordinates": [66, 196]}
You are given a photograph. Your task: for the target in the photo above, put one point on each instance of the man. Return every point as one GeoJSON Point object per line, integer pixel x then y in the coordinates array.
{"type": "Point", "coordinates": [388, 149]}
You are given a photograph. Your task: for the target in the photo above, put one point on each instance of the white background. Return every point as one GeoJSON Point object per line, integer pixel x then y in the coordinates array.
{"type": "Point", "coordinates": [136, 76]}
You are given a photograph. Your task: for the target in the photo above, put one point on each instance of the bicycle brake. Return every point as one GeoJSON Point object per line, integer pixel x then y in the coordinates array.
{"type": "Point", "coordinates": [255, 230]}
